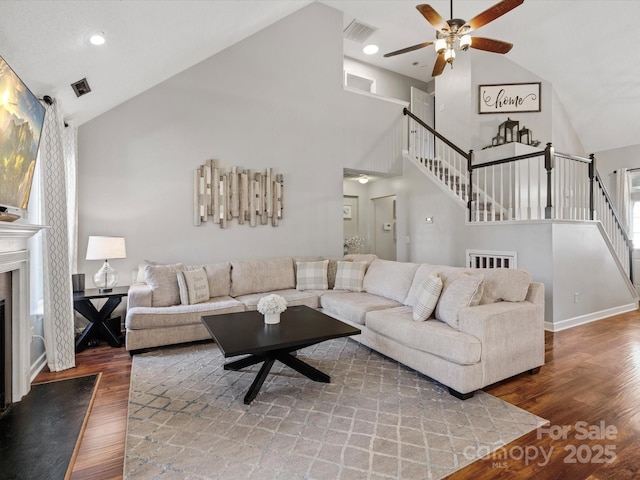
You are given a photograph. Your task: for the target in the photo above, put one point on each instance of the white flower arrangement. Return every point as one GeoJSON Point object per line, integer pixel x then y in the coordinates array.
{"type": "Point", "coordinates": [354, 244]}
{"type": "Point", "coordinates": [272, 304]}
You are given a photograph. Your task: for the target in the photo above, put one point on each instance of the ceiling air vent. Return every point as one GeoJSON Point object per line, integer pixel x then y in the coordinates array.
{"type": "Point", "coordinates": [81, 87]}
{"type": "Point", "coordinates": [358, 31]}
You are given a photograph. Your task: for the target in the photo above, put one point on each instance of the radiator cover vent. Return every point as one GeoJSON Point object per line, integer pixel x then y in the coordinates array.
{"type": "Point", "coordinates": [491, 259]}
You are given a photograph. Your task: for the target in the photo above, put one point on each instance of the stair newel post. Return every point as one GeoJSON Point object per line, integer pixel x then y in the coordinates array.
{"type": "Point", "coordinates": [548, 165]}
{"type": "Point", "coordinates": [592, 176]}
{"type": "Point", "coordinates": [470, 186]}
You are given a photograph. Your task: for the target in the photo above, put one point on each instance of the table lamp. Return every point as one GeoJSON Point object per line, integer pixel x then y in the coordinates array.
{"type": "Point", "coordinates": [104, 248]}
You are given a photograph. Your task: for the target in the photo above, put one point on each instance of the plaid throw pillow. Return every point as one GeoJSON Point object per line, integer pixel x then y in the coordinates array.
{"type": "Point", "coordinates": [312, 275]}
{"type": "Point", "coordinates": [349, 276]}
{"type": "Point", "coordinates": [427, 296]}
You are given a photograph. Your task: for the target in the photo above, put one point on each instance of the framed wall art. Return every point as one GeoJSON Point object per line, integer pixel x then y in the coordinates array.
{"type": "Point", "coordinates": [509, 98]}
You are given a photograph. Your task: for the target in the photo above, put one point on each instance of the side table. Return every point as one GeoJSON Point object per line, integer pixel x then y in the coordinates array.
{"type": "Point", "coordinates": [99, 320]}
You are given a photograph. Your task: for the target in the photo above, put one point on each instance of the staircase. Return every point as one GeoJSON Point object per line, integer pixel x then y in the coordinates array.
{"type": "Point", "coordinates": [536, 186]}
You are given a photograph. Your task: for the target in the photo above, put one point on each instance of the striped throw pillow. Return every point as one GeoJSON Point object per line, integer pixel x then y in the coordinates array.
{"type": "Point", "coordinates": [427, 296]}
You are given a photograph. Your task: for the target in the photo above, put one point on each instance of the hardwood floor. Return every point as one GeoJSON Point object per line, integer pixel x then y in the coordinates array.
{"type": "Point", "coordinates": [592, 375]}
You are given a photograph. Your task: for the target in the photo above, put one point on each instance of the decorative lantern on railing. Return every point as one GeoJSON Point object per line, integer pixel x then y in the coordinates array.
{"type": "Point", "coordinates": [524, 136]}
{"type": "Point", "coordinates": [509, 130]}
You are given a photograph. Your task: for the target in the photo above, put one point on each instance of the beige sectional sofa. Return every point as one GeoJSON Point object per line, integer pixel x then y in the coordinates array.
{"type": "Point", "coordinates": [499, 336]}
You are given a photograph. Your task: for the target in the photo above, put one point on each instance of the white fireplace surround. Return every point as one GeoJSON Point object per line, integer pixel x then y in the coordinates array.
{"type": "Point", "coordinates": [14, 258]}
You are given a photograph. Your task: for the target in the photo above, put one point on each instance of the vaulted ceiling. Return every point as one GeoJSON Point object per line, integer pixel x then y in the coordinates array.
{"type": "Point", "coordinates": [585, 48]}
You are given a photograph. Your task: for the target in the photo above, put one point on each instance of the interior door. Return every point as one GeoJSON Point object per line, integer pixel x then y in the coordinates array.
{"type": "Point", "coordinates": [384, 227]}
{"type": "Point", "coordinates": [422, 106]}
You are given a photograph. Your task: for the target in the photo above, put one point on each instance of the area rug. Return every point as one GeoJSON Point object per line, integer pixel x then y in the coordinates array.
{"type": "Point", "coordinates": [40, 435]}
{"type": "Point", "coordinates": [377, 419]}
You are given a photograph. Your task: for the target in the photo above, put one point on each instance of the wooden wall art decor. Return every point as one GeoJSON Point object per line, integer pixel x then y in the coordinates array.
{"type": "Point", "coordinates": [249, 196]}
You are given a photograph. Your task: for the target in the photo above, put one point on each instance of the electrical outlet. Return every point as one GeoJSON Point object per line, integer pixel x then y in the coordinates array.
{"type": "Point", "coordinates": [576, 297]}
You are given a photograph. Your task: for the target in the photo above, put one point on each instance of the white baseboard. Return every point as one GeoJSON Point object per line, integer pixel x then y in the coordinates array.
{"type": "Point", "coordinates": [37, 367]}
{"type": "Point", "coordinates": [591, 317]}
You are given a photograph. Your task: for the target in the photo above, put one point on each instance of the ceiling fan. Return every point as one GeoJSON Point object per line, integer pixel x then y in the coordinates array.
{"type": "Point", "coordinates": [453, 35]}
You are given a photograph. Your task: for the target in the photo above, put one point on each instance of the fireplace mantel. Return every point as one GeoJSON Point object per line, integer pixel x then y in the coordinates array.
{"type": "Point", "coordinates": [14, 258]}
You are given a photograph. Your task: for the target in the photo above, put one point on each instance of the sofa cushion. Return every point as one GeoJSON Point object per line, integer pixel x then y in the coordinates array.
{"type": "Point", "coordinates": [349, 276]}
{"type": "Point", "coordinates": [194, 286]}
{"type": "Point", "coordinates": [431, 336]}
{"type": "Point", "coordinates": [218, 277]}
{"type": "Point", "coordinates": [312, 275]}
{"type": "Point", "coordinates": [140, 318]}
{"type": "Point", "coordinates": [389, 279]}
{"type": "Point", "coordinates": [360, 257]}
{"type": "Point", "coordinates": [293, 298]}
{"type": "Point", "coordinates": [458, 292]}
{"type": "Point", "coordinates": [163, 280]}
{"type": "Point", "coordinates": [423, 271]}
{"type": "Point", "coordinates": [503, 284]}
{"type": "Point", "coordinates": [265, 275]}
{"type": "Point", "coordinates": [140, 273]}
{"type": "Point", "coordinates": [353, 306]}
{"type": "Point", "coordinates": [427, 297]}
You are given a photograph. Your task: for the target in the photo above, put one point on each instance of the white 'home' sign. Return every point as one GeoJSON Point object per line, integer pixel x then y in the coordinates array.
{"type": "Point", "coordinates": [509, 98]}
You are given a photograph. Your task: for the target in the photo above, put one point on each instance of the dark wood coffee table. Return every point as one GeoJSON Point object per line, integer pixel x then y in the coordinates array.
{"type": "Point", "coordinates": [246, 333]}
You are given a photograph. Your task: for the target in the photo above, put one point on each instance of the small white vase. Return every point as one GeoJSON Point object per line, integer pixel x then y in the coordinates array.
{"type": "Point", "coordinates": [271, 318]}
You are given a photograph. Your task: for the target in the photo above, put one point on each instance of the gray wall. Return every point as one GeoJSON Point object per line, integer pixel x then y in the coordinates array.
{"type": "Point", "coordinates": [388, 83]}
{"type": "Point", "coordinates": [457, 116]}
{"type": "Point", "coordinates": [264, 102]}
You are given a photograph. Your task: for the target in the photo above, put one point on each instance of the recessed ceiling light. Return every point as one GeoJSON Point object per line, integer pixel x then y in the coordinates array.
{"type": "Point", "coordinates": [97, 38]}
{"type": "Point", "coordinates": [370, 49]}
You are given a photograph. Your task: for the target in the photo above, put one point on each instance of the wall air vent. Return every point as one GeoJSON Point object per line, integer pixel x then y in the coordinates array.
{"type": "Point", "coordinates": [358, 31]}
{"type": "Point", "coordinates": [81, 87]}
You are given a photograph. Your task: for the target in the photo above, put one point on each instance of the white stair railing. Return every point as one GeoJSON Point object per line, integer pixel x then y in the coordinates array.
{"type": "Point", "coordinates": [534, 186]}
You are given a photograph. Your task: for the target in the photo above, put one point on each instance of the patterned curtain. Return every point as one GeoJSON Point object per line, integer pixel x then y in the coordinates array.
{"type": "Point", "coordinates": [70, 147]}
{"type": "Point", "coordinates": [58, 305]}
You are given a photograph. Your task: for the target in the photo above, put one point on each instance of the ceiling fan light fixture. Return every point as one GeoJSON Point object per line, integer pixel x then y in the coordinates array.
{"type": "Point", "coordinates": [465, 42]}
{"type": "Point", "coordinates": [449, 55]}
{"type": "Point", "coordinates": [441, 45]}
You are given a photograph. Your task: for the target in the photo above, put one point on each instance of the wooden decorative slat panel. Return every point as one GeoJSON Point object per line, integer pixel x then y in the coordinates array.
{"type": "Point", "coordinates": [246, 195]}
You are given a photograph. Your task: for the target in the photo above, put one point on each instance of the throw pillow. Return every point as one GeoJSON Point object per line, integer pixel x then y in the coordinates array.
{"type": "Point", "coordinates": [457, 293]}
{"type": "Point", "coordinates": [350, 275]}
{"type": "Point", "coordinates": [194, 286]}
{"type": "Point", "coordinates": [164, 284]}
{"type": "Point", "coordinates": [427, 296]}
{"type": "Point", "coordinates": [312, 275]}
{"type": "Point", "coordinates": [140, 273]}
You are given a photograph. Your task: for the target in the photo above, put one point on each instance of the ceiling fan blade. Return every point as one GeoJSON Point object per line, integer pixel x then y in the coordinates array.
{"type": "Point", "coordinates": [490, 45]}
{"type": "Point", "coordinates": [438, 67]}
{"type": "Point", "coordinates": [491, 14]}
{"type": "Point", "coordinates": [434, 17]}
{"type": "Point", "coordinates": [408, 49]}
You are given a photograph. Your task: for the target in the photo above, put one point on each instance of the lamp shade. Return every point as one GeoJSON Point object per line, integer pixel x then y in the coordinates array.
{"type": "Point", "coordinates": [103, 248]}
